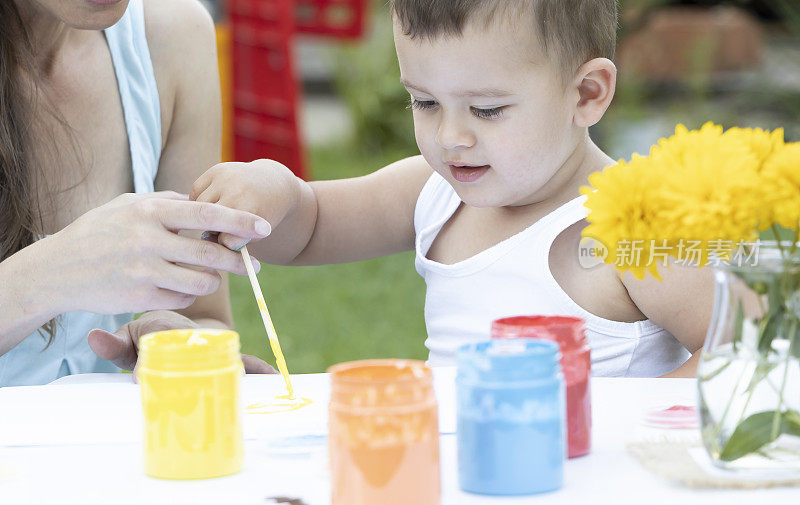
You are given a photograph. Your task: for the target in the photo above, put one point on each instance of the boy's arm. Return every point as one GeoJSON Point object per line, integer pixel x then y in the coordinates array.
{"type": "Point", "coordinates": [681, 303]}
{"type": "Point", "coordinates": [347, 220]}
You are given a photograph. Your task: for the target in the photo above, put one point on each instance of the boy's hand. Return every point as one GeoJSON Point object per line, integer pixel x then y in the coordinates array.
{"type": "Point", "coordinates": [264, 187]}
{"type": "Point", "coordinates": [320, 222]}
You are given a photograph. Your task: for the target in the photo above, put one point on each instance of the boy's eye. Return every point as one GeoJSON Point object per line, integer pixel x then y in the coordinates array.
{"type": "Point", "coordinates": [493, 113]}
{"type": "Point", "coordinates": [422, 104]}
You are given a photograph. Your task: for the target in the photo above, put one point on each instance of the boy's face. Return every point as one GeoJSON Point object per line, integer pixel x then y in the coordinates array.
{"type": "Point", "coordinates": [488, 99]}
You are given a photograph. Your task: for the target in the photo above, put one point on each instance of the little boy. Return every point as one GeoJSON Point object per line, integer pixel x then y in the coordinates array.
{"type": "Point", "coordinates": [503, 93]}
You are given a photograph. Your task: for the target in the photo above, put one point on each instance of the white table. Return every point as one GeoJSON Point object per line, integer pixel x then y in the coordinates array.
{"type": "Point", "coordinates": [110, 472]}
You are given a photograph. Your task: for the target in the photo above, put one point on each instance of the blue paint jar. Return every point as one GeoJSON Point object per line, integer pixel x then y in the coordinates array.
{"type": "Point", "coordinates": [511, 417]}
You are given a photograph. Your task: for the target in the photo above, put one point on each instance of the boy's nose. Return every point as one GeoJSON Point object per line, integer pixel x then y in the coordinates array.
{"type": "Point", "coordinates": [452, 135]}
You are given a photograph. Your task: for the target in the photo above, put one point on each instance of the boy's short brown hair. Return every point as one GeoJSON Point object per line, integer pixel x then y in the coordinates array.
{"type": "Point", "coordinates": [572, 31]}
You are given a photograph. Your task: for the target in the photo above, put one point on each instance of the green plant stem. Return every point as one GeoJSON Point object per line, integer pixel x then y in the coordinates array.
{"type": "Point", "coordinates": [773, 386]}
{"type": "Point", "coordinates": [709, 376]}
{"type": "Point", "coordinates": [728, 406]}
{"type": "Point", "coordinates": [776, 421]}
{"type": "Point", "coordinates": [761, 306]}
{"type": "Point", "coordinates": [778, 240]}
{"type": "Point", "coordinates": [749, 396]}
{"type": "Point", "coordinates": [762, 323]}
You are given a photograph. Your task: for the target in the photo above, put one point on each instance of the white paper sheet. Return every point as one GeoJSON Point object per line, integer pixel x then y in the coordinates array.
{"type": "Point", "coordinates": [81, 410]}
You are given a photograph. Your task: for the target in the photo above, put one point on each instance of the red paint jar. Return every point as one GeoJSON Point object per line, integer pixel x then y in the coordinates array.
{"type": "Point", "coordinates": [576, 364]}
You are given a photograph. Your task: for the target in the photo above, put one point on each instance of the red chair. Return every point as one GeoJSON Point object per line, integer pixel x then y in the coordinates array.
{"type": "Point", "coordinates": [266, 102]}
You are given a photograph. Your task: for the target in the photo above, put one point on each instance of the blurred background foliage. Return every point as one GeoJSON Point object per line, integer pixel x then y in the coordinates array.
{"type": "Point", "coordinates": [765, 94]}
{"type": "Point", "coordinates": [367, 78]}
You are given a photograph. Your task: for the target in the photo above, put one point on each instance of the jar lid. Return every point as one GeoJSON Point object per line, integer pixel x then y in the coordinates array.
{"type": "Point", "coordinates": [566, 330]}
{"type": "Point", "coordinates": [509, 361]}
{"type": "Point", "coordinates": [189, 350]}
{"type": "Point", "coordinates": [381, 383]}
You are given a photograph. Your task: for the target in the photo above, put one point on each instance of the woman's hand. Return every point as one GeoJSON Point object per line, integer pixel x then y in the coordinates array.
{"type": "Point", "coordinates": [121, 347]}
{"type": "Point", "coordinates": [126, 256]}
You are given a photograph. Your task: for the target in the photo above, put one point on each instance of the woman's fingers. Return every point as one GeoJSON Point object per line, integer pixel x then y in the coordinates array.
{"type": "Point", "coordinates": [116, 347]}
{"type": "Point", "coordinates": [166, 299]}
{"type": "Point", "coordinates": [186, 280]}
{"type": "Point", "coordinates": [204, 253]}
{"type": "Point", "coordinates": [179, 215]}
{"type": "Point", "coordinates": [253, 364]}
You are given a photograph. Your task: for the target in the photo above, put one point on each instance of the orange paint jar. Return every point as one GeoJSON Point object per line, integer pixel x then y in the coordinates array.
{"type": "Point", "coordinates": [384, 434]}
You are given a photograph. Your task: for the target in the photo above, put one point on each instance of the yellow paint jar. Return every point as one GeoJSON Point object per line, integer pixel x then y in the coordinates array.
{"type": "Point", "coordinates": [190, 383]}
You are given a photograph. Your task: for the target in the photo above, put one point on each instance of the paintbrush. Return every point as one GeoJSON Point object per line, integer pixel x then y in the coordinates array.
{"type": "Point", "coordinates": [262, 307]}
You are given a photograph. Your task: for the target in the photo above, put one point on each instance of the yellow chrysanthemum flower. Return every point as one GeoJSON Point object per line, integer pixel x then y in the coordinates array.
{"type": "Point", "coordinates": [701, 185]}
{"type": "Point", "coordinates": [761, 142]}
{"type": "Point", "coordinates": [764, 145]}
{"type": "Point", "coordinates": [623, 214]}
{"type": "Point", "coordinates": [711, 188]}
{"type": "Point", "coordinates": [781, 182]}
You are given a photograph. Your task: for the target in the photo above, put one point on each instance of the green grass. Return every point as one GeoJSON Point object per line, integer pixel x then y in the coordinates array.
{"type": "Point", "coordinates": [329, 314]}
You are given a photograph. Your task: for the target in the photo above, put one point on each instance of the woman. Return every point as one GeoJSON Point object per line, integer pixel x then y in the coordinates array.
{"type": "Point", "coordinates": [100, 98]}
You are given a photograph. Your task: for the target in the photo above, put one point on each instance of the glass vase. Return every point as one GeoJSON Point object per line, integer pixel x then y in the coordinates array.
{"type": "Point", "coordinates": [749, 372]}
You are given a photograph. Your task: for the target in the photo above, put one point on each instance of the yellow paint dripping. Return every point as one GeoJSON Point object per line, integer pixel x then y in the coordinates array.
{"type": "Point", "coordinates": [276, 349]}
{"type": "Point", "coordinates": [282, 403]}
{"type": "Point", "coordinates": [271, 333]}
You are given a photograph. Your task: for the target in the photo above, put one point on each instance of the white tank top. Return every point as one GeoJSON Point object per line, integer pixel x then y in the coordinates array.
{"type": "Point", "coordinates": [513, 278]}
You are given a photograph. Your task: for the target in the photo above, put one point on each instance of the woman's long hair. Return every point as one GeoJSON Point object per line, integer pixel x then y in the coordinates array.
{"type": "Point", "coordinates": [20, 213]}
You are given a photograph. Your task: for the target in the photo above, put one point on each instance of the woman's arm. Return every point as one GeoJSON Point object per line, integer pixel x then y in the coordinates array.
{"type": "Point", "coordinates": [27, 299]}
{"type": "Point", "coordinates": [123, 256]}
{"type": "Point", "coordinates": [182, 43]}
{"type": "Point", "coordinates": [180, 34]}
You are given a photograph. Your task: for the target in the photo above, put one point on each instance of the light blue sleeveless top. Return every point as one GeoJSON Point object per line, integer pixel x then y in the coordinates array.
{"type": "Point", "coordinates": [30, 362]}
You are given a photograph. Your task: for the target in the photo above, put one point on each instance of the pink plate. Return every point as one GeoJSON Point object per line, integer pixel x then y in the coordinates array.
{"type": "Point", "coordinates": [674, 416]}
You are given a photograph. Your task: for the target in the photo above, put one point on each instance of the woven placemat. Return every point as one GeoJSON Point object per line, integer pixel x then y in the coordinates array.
{"type": "Point", "coordinates": [680, 460]}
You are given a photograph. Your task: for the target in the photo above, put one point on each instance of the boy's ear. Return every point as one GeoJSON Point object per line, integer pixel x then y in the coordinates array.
{"type": "Point", "coordinates": [595, 81]}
